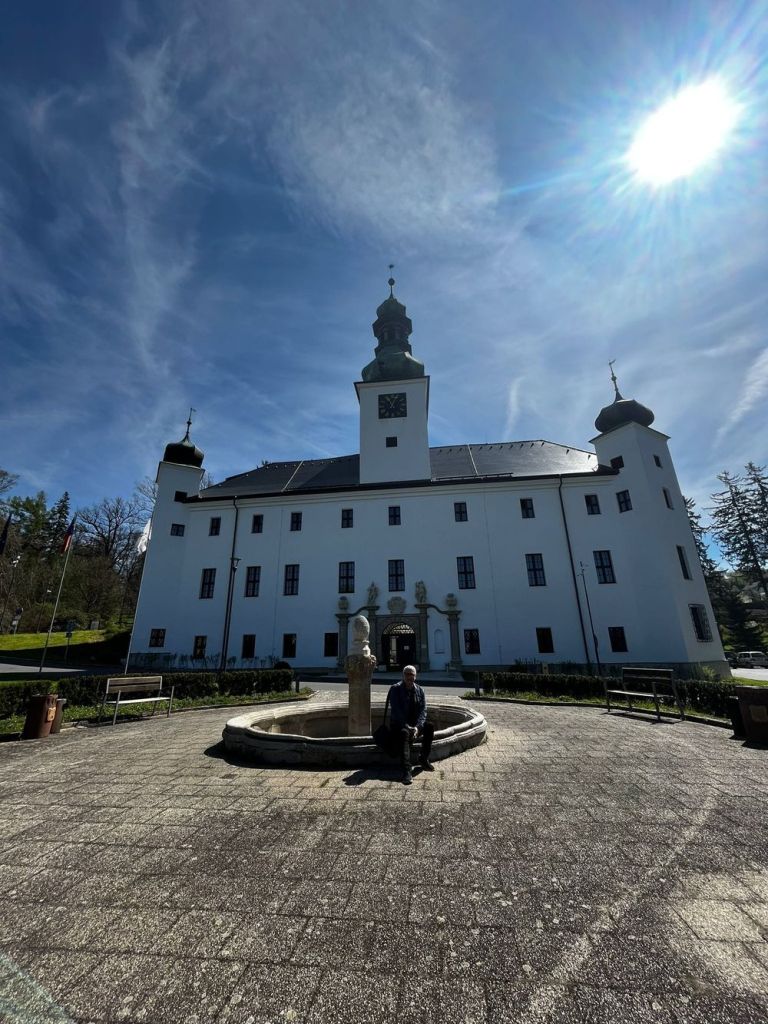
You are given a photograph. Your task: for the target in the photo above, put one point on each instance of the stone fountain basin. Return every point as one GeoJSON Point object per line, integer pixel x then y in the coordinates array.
{"type": "Point", "coordinates": [316, 734]}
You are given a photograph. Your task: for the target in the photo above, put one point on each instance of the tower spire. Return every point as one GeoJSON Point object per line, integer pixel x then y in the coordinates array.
{"type": "Point", "coordinates": [613, 379]}
{"type": "Point", "coordinates": [189, 423]}
{"type": "Point", "coordinates": [391, 281]}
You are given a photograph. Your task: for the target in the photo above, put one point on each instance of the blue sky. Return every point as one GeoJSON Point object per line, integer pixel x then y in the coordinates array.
{"type": "Point", "coordinates": [199, 202]}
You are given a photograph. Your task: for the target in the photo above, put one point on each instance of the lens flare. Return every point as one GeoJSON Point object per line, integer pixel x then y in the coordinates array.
{"type": "Point", "coordinates": [684, 133]}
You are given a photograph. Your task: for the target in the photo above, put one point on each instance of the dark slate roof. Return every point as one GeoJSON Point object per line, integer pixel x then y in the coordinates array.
{"type": "Point", "coordinates": [464, 462]}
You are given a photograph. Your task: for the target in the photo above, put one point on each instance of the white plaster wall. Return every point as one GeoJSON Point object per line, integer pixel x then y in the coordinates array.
{"type": "Point", "coordinates": [410, 459]}
{"type": "Point", "coordinates": [650, 599]}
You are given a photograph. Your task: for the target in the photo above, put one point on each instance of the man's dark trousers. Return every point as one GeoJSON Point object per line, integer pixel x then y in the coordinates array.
{"type": "Point", "coordinates": [403, 737]}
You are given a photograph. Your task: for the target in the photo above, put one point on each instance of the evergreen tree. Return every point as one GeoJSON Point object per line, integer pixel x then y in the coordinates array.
{"type": "Point", "coordinates": [58, 521]}
{"type": "Point", "coordinates": [737, 530]}
{"type": "Point", "coordinates": [757, 496]}
{"type": "Point", "coordinates": [737, 631]}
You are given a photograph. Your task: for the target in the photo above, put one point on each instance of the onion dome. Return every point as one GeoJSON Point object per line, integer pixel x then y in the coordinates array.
{"type": "Point", "coordinates": [183, 452]}
{"type": "Point", "coordinates": [393, 354]}
{"type": "Point", "coordinates": [621, 411]}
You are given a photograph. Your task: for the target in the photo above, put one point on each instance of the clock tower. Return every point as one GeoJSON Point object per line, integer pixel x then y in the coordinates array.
{"type": "Point", "coordinates": [394, 400]}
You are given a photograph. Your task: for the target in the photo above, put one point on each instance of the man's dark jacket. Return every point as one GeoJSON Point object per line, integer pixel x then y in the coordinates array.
{"type": "Point", "coordinates": [407, 708]}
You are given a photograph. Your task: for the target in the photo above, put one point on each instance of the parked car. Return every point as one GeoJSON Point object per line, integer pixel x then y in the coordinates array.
{"type": "Point", "coordinates": [752, 659]}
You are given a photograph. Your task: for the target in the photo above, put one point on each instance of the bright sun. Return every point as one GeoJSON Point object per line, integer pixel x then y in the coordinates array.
{"type": "Point", "coordinates": [683, 133]}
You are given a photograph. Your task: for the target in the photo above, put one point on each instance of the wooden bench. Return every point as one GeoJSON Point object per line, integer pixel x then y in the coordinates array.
{"type": "Point", "coordinates": [122, 685]}
{"type": "Point", "coordinates": [650, 684]}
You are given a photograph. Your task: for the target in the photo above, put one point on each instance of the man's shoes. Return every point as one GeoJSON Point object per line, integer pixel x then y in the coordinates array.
{"type": "Point", "coordinates": [407, 777]}
{"type": "Point", "coordinates": [427, 765]}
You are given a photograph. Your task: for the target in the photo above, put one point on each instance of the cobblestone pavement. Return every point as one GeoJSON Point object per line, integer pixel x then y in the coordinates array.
{"type": "Point", "coordinates": [577, 867]}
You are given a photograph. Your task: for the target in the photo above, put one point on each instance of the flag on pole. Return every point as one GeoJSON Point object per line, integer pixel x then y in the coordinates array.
{"type": "Point", "coordinates": [68, 537]}
{"type": "Point", "coordinates": [4, 535]}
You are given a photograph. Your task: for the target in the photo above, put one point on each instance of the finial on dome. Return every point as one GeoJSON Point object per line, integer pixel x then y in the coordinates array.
{"type": "Point", "coordinates": [391, 281]}
{"type": "Point", "coordinates": [613, 378]}
{"type": "Point", "coordinates": [189, 423]}
{"type": "Point", "coordinates": [184, 452]}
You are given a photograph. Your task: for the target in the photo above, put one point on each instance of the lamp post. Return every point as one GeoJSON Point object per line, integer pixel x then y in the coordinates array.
{"type": "Point", "coordinates": [14, 565]}
{"type": "Point", "coordinates": [40, 609]}
{"type": "Point", "coordinates": [591, 623]}
{"type": "Point", "coordinates": [233, 564]}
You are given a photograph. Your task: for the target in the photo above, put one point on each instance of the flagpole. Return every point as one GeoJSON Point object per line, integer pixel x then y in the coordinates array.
{"type": "Point", "coordinates": [56, 605]}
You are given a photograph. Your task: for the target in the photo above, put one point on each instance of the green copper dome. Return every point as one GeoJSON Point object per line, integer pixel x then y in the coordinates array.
{"type": "Point", "coordinates": [394, 359]}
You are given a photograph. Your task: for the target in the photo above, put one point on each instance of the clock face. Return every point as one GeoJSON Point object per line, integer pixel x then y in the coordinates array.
{"type": "Point", "coordinates": [392, 406]}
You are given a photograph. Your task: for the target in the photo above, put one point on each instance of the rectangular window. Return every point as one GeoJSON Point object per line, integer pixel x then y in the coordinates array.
{"type": "Point", "coordinates": [198, 648]}
{"type": "Point", "coordinates": [347, 518]}
{"type": "Point", "coordinates": [667, 498]}
{"type": "Point", "coordinates": [593, 504]}
{"type": "Point", "coordinates": [157, 638]}
{"type": "Point", "coordinates": [526, 508]}
{"type": "Point", "coordinates": [289, 645]}
{"type": "Point", "coordinates": [624, 500]}
{"type": "Point", "coordinates": [604, 567]}
{"type": "Point", "coordinates": [465, 565]}
{"type": "Point", "coordinates": [460, 511]}
{"type": "Point", "coordinates": [207, 583]}
{"type": "Point", "coordinates": [657, 460]}
{"type": "Point", "coordinates": [544, 640]}
{"type": "Point", "coordinates": [331, 645]}
{"type": "Point", "coordinates": [618, 639]}
{"type": "Point", "coordinates": [295, 521]}
{"type": "Point", "coordinates": [471, 641]}
{"type": "Point", "coordinates": [700, 622]}
{"type": "Point", "coordinates": [617, 463]}
{"type": "Point", "coordinates": [214, 528]}
{"type": "Point", "coordinates": [396, 574]}
{"type": "Point", "coordinates": [252, 580]}
{"type": "Point", "coordinates": [394, 515]}
{"type": "Point", "coordinates": [535, 565]}
{"type": "Point", "coordinates": [346, 577]}
{"type": "Point", "coordinates": [291, 582]}
{"type": "Point", "coordinates": [177, 529]}
{"type": "Point", "coordinates": [391, 442]}
{"type": "Point", "coordinates": [249, 645]}
{"type": "Point", "coordinates": [683, 562]}
{"type": "Point", "coordinates": [257, 523]}
{"type": "Point", "coordinates": [180, 496]}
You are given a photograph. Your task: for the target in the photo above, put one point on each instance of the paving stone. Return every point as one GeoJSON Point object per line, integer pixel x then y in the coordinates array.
{"type": "Point", "coordinates": [513, 1003]}
{"type": "Point", "coordinates": [600, 869]}
{"type": "Point", "coordinates": [717, 919]}
{"type": "Point", "coordinates": [344, 996]}
{"type": "Point", "coordinates": [272, 995]}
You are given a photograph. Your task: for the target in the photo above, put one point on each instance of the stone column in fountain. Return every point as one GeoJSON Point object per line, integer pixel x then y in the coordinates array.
{"type": "Point", "coordinates": [359, 665]}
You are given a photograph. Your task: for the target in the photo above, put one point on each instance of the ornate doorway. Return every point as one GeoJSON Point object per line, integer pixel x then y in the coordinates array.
{"type": "Point", "coordinates": [398, 646]}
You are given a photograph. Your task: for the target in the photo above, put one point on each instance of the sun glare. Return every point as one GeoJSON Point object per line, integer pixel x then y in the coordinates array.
{"type": "Point", "coordinates": [683, 133]}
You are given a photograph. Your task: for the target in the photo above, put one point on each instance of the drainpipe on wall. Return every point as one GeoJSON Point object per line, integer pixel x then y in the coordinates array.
{"type": "Point", "coordinates": [233, 563]}
{"type": "Point", "coordinates": [573, 575]}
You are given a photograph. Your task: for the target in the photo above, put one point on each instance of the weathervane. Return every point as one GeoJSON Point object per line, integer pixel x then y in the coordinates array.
{"type": "Point", "coordinates": [189, 422]}
{"type": "Point", "coordinates": [391, 281]}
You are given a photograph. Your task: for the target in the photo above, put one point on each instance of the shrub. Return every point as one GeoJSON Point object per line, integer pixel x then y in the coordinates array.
{"type": "Point", "coordinates": [88, 691]}
{"type": "Point", "coordinates": [707, 696]}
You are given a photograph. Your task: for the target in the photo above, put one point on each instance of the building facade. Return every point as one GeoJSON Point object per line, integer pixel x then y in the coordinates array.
{"type": "Point", "coordinates": [465, 556]}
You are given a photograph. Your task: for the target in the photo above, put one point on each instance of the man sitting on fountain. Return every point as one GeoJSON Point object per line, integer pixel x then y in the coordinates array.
{"type": "Point", "coordinates": [408, 721]}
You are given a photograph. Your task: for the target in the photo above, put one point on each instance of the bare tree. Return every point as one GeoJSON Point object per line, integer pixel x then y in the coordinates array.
{"type": "Point", "coordinates": [111, 529]}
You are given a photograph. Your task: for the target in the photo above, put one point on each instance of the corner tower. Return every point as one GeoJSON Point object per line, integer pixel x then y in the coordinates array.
{"type": "Point", "coordinates": [394, 402]}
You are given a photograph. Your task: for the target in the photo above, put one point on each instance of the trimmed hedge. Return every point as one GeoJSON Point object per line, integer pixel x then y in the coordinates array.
{"type": "Point", "coordinates": [708, 697]}
{"type": "Point", "coordinates": [89, 690]}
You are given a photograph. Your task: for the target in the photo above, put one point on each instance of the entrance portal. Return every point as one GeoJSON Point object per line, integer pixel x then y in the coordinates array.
{"type": "Point", "coordinates": [398, 643]}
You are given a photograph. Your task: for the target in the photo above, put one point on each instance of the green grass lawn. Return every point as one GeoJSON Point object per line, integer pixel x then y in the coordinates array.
{"type": "Point", "coordinates": [32, 641]}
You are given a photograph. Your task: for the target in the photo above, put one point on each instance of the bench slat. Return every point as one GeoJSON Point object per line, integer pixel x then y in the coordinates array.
{"type": "Point", "coordinates": [136, 700]}
{"type": "Point", "coordinates": [638, 693]}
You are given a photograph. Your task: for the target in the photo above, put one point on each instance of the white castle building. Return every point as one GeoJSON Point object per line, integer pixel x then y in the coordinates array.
{"type": "Point", "coordinates": [466, 556]}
